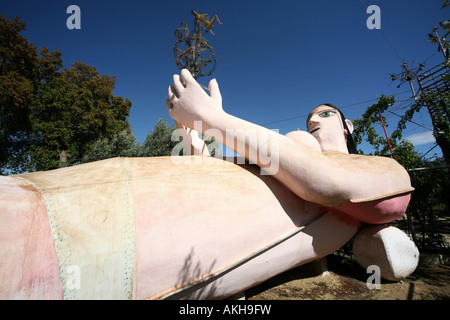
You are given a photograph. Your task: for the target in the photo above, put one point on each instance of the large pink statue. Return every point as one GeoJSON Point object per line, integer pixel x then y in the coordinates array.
{"type": "Point", "coordinates": [196, 226]}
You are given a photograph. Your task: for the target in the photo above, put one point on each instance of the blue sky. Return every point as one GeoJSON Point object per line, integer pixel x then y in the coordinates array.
{"type": "Point", "coordinates": [277, 60]}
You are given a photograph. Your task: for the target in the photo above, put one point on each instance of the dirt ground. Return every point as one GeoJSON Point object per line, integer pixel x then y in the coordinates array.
{"type": "Point", "coordinates": [346, 280]}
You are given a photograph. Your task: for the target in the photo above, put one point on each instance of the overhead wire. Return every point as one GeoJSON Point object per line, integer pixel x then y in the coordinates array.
{"type": "Point", "coordinates": [357, 103]}
{"type": "Point", "coordinates": [340, 107]}
{"type": "Point", "coordinates": [417, 124]}
{"type": "Point", "coordinates": [304, 116]}
{"type": "Point", "coordinates": [386, 38]}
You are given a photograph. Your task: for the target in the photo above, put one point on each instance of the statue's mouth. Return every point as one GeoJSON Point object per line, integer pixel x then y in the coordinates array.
{"type": "Point", "coordinates": [314, 130]}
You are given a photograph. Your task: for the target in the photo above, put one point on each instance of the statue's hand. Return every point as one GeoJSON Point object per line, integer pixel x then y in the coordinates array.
{"type": "Point", "coordinates": [191, 141]}
{"type": "Point", "coordinates": [188, 102]}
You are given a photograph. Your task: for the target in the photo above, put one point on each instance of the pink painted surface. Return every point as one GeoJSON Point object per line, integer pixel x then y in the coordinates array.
{"type": "Point", "coordinates": [209, 216]}
{"type": "Point", "coordinates": [376, 211]}
{"type": "Point", "coordinates": [28, 263]}
{"type": "Point", "coordinates": [191, 221]}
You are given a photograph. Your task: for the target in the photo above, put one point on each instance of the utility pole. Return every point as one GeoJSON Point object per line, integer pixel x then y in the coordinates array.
{"type": "Point", "coordinates": [433, 80]}
{"type": "Point", "coordinates": [441, 46]}
{"type": "Point", "coordinates": [408, 75]}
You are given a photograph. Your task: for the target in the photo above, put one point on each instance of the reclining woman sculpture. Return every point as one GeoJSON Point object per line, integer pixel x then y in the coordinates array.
{"type": "Point", "coordinates": [149, 228]}
{"type": "Point", "coordinates": [316, 166]}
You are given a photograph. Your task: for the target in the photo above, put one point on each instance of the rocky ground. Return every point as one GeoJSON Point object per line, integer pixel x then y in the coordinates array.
{"type": "Point", "coordinates": [346, 280]}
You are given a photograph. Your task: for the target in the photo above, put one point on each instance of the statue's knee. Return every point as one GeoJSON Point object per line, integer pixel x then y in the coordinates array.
{"type": "Point", "coordinates": [387, 247]}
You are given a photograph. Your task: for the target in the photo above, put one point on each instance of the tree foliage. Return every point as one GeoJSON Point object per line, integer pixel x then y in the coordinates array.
{"type": "Point", "coordinates": [430, 178]}
{"type": "Point", "coordinates": [442, 41]}
{"type": "Point", "coordinates": [159, 141]}
{"type": "Point", "coordinates": [18, 81]}
{"type": "Point", "coordinates": [47, 110]}
{"type": "Point", "coordinates": [439, 104]}
{"type": "Point", "coordinates": [122, 144]}
{"type": "Point", "coordinates": [365, 127]}
{"type": "Point", "coordinates": [429, 200]}
{"type": "Point", "coordinates": [163, 140]}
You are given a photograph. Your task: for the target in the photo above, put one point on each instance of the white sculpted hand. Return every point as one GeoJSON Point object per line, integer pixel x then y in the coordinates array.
{"type": "Point", "coordinates": [191, 141]}
{"type": "Point", "coordinates": [188, 102]}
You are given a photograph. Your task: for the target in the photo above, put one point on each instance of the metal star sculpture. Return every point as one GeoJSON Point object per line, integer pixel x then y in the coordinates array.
{"type": "Point", "coordinates": [193, 51]}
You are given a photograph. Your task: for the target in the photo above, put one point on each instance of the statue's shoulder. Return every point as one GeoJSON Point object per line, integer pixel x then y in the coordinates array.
{"type": "Point", "coordinates": [372, 163]}
{"type": "Point", "coordinates": [375, 177]}
{"type": "Point", "coordinates": [304, 138]}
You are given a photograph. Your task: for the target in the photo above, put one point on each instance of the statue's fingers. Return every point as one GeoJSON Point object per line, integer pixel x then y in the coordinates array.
{"type": "Point", "coordinates": [179, 87]}
{"type": "Point", "coordinates": [168, 105]}
{"type": "Point", "coordinates": [214, 89]}
{"type": "Point", "coordinates": [187, 76]}
{"type": "Point", "coordinates": [173, 93]}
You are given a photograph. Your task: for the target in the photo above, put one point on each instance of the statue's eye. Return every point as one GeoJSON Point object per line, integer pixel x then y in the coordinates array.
{"type": "Point", "coordinates": [326, 114]}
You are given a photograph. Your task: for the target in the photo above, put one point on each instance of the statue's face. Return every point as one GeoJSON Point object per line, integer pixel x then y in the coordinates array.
{"type": "Point", "coordinates": [325, 124]}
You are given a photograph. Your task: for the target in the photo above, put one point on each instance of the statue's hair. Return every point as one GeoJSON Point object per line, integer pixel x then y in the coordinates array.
{"type": "Point", "coordinates": [351, 147]}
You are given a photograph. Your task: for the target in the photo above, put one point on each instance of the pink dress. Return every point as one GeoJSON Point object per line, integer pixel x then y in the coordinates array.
{"type": "Point", "coordinates": [375, 211]}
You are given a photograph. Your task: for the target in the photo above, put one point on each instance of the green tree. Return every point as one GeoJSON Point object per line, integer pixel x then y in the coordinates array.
{"type": "Point", "coordinates": [48, 111]}
{"type": "Point", "coordinates": [163, 139]}
{"type": "Point", "coordinates": [122, 144]}
{"type": "Point", "coordinates": [439, 104]}
{"type": "Point", "coordinates": [443, 42]}
{"type": "Point", "coordinates": [429, 200]}
{"type": "Point", "coordinates": [159, 141]}
{"type": "Point", "coordinates": [50, 115]}
{"type": "Point", "coordinates": [18, 80]}
{"type": "Point", "coordinates": [365, 127]}
{"type": "Point", "coordinates": [429, 177]}
{"type": "Point", "coordinates": [92, 110]}
{"type": "Point", "coordinates": [431, 185]}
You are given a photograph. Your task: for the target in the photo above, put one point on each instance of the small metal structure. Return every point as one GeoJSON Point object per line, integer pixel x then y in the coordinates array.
{"type": "Point", "coordinates": [437, 79]}
{"type": "Point", "coordinates": [433, 81]}
{"type": "Point", "coordinates": [407, 75]}
{"type": "Point", "coordinates": [193, 51]}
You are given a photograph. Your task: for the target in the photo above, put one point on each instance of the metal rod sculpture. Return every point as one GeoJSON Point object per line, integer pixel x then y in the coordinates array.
{"type": "Point", "coordinates": [193, 52]}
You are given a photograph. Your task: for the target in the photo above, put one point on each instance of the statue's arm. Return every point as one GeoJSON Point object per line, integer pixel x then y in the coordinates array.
{"type": "Point", "coordinates": [296, 159]}
{"type": "Point", "coordinates": [303, 169]}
